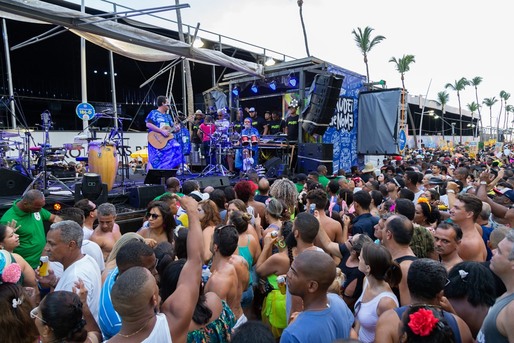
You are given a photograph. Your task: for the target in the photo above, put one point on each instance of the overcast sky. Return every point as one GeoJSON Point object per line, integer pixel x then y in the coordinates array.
{"type": "Point", "coordinates": [450, 39]}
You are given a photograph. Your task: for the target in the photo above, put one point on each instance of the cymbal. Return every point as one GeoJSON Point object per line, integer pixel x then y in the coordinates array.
{"type": "Point", "coordinates": [6, 134]}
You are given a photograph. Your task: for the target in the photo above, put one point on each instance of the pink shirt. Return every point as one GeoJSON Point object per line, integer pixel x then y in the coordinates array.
{"type": "Point", "coordinates": [207, 130]}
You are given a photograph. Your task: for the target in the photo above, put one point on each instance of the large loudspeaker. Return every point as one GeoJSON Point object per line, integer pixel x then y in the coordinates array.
{"type": "Point", "coordinates": [140, 196]}
{"type": "Point", "coordinates": [377, 123]}
{"type": "Point", "coordinates": [311, 155]}
{"type": "Point", "coordinates": [12, 182]}
{"type": "Point", "coordinates": [159, 176]}
{"type": "Point", "coordinates": [214, 181]}
{"type": "Point", "coordinates": [322, 104]}
{"type": "Point", "coordinates": [274, 167]}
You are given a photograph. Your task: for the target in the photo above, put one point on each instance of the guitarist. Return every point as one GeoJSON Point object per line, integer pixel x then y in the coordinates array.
{"type": "Point", "coordinates": [163, 150]}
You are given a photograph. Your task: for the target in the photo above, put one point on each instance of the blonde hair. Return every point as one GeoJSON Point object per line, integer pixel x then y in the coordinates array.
{"type": "Point", "coordinates": [124, 239]}
{"type": "Point", "coordinates": [285, 190]}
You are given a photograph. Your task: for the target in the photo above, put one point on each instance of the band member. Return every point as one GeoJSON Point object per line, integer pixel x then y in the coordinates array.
{"type": "Point", "coordinates": [163, 150]}
{"type": "Point", "coordinates": [277, 124]}
{"type": "Point", "coordinates": [246, 141]}
{"type": "Point", "coordinates": [205, 132]}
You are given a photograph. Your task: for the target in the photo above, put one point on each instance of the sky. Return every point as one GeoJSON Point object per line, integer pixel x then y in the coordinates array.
{"type": "Point", "coordinates": [449, 39]}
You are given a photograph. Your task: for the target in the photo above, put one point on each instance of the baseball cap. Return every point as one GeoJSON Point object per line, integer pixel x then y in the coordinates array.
{"type": "Point", "coordinates": [252, 109]}
{"type": "Point", "coordinates": [509, 193]}
{"type": "Point", "coordinates": [199, 196]}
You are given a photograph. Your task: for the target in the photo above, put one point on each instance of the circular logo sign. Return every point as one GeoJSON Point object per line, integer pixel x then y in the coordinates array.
{"type": "Point", "coordinates": [85, 111]}
{"type": "Point", "coordinates": [402, 140]}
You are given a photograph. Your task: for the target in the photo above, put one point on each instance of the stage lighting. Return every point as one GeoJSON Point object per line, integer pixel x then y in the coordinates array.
{"type": "Point", "coordinates": [91, 188]}
{"type": "Point", "coordinates": [269, 62]}
{"type": "Point", "coordinates": [235, 91]}
{"type": "Point", "coordinates": [198, 43]}
{"type": "Point", "coordinates": [273, 85]}
{"type": "Point", "coordinates": [254, 88]}
{"type": "Point", "coordinates": [292, 81]}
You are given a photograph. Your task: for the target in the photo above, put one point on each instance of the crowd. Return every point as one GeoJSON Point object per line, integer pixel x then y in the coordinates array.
{"type": "Point", "coordinates": [419, 249]}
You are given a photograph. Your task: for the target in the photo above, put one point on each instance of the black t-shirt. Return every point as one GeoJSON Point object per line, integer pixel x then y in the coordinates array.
{"type": "Point", "coordinates": [292, 128]}
{"type": "Point", "coordinates": [276, 126]}
{"type": "Point", "coordinates": [258, 123]}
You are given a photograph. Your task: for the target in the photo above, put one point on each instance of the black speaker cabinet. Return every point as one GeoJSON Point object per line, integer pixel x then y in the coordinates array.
{"type": "Point", "coordinates": [274, 167]}
{"type": "Point", "coordinates": [317, 115]}
{"type": "Point", "coordinates": [140, 196]}
{"type": "Point", "coordinates": [214, 181]}
{"type": "Point", "coordinates": [311, 155]}
{"type": "Point", "coordinates": [13, 182]}
{"type": "Point", "coordinates": [159, 176]}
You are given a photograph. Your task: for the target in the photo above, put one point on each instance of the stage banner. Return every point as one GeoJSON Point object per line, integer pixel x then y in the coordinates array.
{"type": "Point", "coordinates": [342, 131]}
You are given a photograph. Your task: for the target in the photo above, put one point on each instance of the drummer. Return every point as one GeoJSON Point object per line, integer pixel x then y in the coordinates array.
{"type": "Point", "coordinates": [246, 135]}
{"type": "Point", "coordinates": [222, 127]}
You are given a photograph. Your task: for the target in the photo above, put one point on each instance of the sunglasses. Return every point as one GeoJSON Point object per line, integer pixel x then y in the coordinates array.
{"type": "Point", "coordinates": [152, 215]}
{"type": "Point", "coordinates": [34, 314]}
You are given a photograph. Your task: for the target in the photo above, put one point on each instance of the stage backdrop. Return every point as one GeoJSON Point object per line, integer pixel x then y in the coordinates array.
{"type": "Point", "coordinates": [342, 131]}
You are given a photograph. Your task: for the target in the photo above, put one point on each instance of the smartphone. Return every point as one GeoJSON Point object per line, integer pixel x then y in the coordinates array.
{"type": "Point", "coordinates": [312, 208]}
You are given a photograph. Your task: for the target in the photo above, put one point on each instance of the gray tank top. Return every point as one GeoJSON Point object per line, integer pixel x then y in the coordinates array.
{"type": "Point", "coordinates": [489, 332]}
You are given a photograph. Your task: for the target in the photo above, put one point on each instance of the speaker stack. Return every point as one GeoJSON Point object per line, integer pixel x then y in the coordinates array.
{"type": "Point", "coordinates": [311, 155]}
{"type": "Point", "coordinates": [317, 115]}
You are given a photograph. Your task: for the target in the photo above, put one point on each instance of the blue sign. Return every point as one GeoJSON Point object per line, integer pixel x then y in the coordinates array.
{"type": "Point", "coordinates": [85, 111]}
{"type": "Point", "coordinates": [402, 140]}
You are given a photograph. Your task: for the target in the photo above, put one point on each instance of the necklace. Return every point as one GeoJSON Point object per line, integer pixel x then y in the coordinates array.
{"type": "Point", "coordinates": [138, 331]}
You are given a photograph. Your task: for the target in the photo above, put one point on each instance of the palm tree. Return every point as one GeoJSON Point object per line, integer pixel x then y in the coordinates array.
{"type": "Point", "coordinates": [366, 43]}
{"type": "Point", "coordinates": [475, 82]}
{"type": "Point", "coordinates": [489, 102]}
{"type": "Point", "coordinates": [300, 4]}
{"type": "Point", "coordinates": [508, 109]}
{"type": "Point", "coordinates": [504, 97]}
{"type": "Point", "coordinates": [472, 107]}
{"type": "Point", "coordinates": [402, 66]}
{"type": "Point", "coordinates": [442, 99]}
{"type": "Point", "coordinates": [458, 86]}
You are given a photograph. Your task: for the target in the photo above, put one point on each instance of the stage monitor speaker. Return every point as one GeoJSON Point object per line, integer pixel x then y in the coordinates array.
{"type": "Point", "coordinates": [323, 99]}
{"type": "Point", "coordinates": [274, 167]}
{"type": "Point", "coordinates": [214, 181]}
{"type": "Point", "coordinates": [13, 183]}
{"type": "Point", "coordinates": [140, 196]}
{"type": "Point", "coordinates": [159, 176]}
{"type": "Point", "coordinates": [311, 155]}
{"type": "Point", "coordinates": [377, 128]}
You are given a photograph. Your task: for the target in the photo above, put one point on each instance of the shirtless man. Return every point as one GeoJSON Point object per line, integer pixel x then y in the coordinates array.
{"type": "Point", "coordinates": [447, 238]}
{"type": "Point", "coordinates": [230, 274]}
{"type": "Point", "coordinates": [333, 228]}
{"type": "Point", "coordinates": [107, 232]}
{"type": "Point", "coordinates": [465, 211]}
{"type": "Point", "coordinates": [90, 215]}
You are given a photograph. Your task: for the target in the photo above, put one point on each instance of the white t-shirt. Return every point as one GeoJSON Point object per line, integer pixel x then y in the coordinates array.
{"type": "Point", "coordinates": [88, 248]}
{"type": "Point", "coordinates": [87, 270]}
{"type": "Point", "coordinates": [160, 332]}
{"type": "Point", "coordinates": [87, 232]}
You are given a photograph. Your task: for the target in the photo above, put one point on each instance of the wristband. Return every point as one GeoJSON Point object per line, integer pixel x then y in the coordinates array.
{"type": "Point", "coordinates": [450, 191]}
{"type": "Point", "coordinates": [483, 183]}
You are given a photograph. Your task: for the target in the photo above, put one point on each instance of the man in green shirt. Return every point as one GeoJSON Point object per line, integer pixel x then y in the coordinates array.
{"type": "Point", "coordinates": [322, 171]}
{"type": "Point", "coordinates": [29, 214]}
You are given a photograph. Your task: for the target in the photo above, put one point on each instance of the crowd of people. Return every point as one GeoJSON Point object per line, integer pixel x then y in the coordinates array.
{"type": "Point", "coordinates": [419, 249]}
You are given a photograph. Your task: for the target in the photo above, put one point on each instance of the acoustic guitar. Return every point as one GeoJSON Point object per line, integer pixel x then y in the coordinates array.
{"type": "Point", "coordinates": [157, 140]}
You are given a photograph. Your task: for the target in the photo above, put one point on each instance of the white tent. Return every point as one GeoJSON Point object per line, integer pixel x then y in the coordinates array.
{"type": "Point", "coordinates": [119, 38]}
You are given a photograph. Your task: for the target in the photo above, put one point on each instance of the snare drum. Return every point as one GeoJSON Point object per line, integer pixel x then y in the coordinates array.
{"type": "Point", "coordinates": [103, 160]}
{"type": "Point", "coordinates": [254, 139]}
{"type": "Point", "coordinates": [245, 140]}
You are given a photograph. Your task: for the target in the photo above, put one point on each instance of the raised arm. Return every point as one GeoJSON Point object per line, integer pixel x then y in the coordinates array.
{"type": "Point", "coordinates": [323, 241]}
{"type": "Point", "coordinates": [179, 307]}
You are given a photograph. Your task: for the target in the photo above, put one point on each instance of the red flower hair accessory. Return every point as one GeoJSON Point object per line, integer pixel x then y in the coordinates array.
{"type": "Point", "coordinates": [422, 322]}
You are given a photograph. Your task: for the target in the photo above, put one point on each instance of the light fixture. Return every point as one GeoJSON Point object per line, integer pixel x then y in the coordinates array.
{"type": "Point", "coordinates": [235, 91]}
{"type": "Point", "coordinates": [254, 88]}
{"type": "Point", "coordinates": [292, 81]}
{"type": "Point", "coordinates": [273, 85]}
{"type": "Point", "coordinates": [198, 43]}
{"type": "Point", "coordinates": [269, 62]}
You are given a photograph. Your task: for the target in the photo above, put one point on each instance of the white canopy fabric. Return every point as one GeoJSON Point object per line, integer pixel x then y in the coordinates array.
{"type": "Point", "coordinates": [120, 38]}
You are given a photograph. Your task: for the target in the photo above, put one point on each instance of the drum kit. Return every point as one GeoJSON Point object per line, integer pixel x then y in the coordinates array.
{"type": "Point", "coordinates": [224, 142]}
{"type": "Point", "coordinates": [47, 165]}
